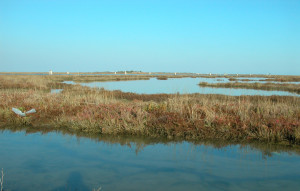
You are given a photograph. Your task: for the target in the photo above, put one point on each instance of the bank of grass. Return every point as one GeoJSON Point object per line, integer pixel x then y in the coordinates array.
{"type": "Point", "coordinates": [267, 78]}
{"type": "Point", "coordinates": [187, 117]}
{"type": "Point", "coordinates": [283, 79]}
{"type": "Point", "coordinates": [294, 88]}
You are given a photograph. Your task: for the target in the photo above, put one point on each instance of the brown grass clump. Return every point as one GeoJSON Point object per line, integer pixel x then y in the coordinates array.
{"type": "Point", "coordinates": [283, 79]}
{"type": "Point", "coordinates": [162, 78]}
{"type": "Point", "coordinates": [295, 88]}
{"type": "Point", "coordinates": [188, 117]}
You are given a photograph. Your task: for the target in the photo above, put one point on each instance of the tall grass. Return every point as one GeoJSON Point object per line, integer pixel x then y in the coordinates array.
{"type": "Point", "coordinates": [190, 117]}
{"type": "Point", "coordinates": [294, 88]}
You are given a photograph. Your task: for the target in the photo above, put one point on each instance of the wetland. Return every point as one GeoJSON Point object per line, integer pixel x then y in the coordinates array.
{"type": "Point", "coordinates": [147, 134]}
{"type": "Point", "coordinates": [55, 161]}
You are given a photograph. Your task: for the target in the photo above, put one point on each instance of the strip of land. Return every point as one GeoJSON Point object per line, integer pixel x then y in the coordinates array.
{"type": "Point", "coordinates": [294, 88]}
{"type": "Point", "coordinates": [97, 111]}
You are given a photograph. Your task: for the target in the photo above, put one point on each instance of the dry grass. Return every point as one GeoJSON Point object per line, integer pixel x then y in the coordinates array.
{"type": "Point", "coordinates": [284, 79]}
{"type": "Point", "coordinates": [294, 88]}
{"type": "Point", "coordinates": [189, 117]}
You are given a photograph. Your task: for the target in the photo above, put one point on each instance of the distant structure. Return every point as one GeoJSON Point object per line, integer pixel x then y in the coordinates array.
{"type": "Point", "coordinates": [50, 72]}
{"type": "Point", "coordinates": [125, 72]}
{"type": "Point", "coordinates": [149, 72]}
{"type": "Point", "coordinates": [68, 73]}
{"type": "Point", "coordinates": [115, 72]}
{"type": "Point", "coordinates": [175, 73]}
{"type": "Point", "coordinates": [237, 74]}
{"type": "Point", "coordinates": [210, 74]}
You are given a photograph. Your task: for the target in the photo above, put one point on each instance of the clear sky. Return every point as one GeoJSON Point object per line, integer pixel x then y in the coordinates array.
{"type": "Point", "coordinates": [201, 36]}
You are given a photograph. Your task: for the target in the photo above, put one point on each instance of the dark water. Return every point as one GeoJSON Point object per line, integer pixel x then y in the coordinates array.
{"type": "Point", "coordinates": [53, 161]}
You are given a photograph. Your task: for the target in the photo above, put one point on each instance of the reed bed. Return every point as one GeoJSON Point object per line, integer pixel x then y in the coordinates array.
{"type": "Point", "coordinates": [268, 78]}
{"type": "Point", "coordinates": [187, 117]}
{"type": "Point", "coordinates": [283, 79]}
{"type": "Point", "coordinates": [294, 88]}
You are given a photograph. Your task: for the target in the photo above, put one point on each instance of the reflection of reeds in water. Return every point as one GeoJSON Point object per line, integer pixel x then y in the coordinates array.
{"type": "Point", "coordinates": [189, 117]}
{"type": "Point", "coordinates": [97, 189]}
{"type": "Point", "coordinates": [1, 180]}
{"type": "Point", "coordinates": [138, 143]}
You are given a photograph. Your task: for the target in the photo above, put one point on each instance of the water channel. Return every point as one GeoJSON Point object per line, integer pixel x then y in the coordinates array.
{"type": "Point", "coordinates": [55, 161]}
{"type": "Point", "coordinates": [181, 85]}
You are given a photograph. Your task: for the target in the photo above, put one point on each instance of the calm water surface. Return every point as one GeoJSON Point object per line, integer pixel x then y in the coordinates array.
{"type": "Point", "coordinates": [54, 161]}
{"type": "Point", "coordinates": [181, 85]}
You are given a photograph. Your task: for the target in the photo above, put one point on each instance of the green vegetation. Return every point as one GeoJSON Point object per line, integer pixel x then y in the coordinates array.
{"type": "Point", "coordinates": [188, 117]}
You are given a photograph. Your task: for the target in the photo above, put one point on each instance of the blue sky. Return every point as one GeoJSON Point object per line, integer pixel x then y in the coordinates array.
{"type": "Point", "coordinates": [217, 36]}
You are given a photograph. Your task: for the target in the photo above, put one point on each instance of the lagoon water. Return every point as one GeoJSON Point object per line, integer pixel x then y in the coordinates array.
{"type": "Point", "coordinates": [181, 85]}
{"type": "Point", "coordinates": [53, 161]}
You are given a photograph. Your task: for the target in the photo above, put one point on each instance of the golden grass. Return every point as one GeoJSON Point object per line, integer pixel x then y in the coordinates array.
{"type": "Point", "coordinates": [189, 117]}
{"type": "Point", "coordinates": [294, 88]}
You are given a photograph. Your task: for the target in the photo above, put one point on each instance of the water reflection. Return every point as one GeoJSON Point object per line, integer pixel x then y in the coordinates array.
{"type": "Point", "coordinates": [55, 161]}
{"type": "Point", "coordinates": [74, 182]}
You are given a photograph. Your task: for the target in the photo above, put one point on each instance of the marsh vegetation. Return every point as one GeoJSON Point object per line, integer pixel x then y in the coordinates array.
{"type": "Point", "coordinates": [172, 116]}
{"type": "Point", "coordinates": [294, 88]}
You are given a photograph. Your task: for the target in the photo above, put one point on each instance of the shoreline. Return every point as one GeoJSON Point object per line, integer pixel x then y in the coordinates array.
{"type": "Point", "coordinates": [145, 140]}
{"type": "Point", "coordinates": [270, 119]}
{"type": "Point", "coordinates": [293, 88]}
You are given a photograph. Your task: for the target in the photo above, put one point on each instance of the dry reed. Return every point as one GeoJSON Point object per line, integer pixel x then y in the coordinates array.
{"type": "Point", "coordinates": [295, 88]}
{"type": "Point", "coordinates": [189, 117]}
